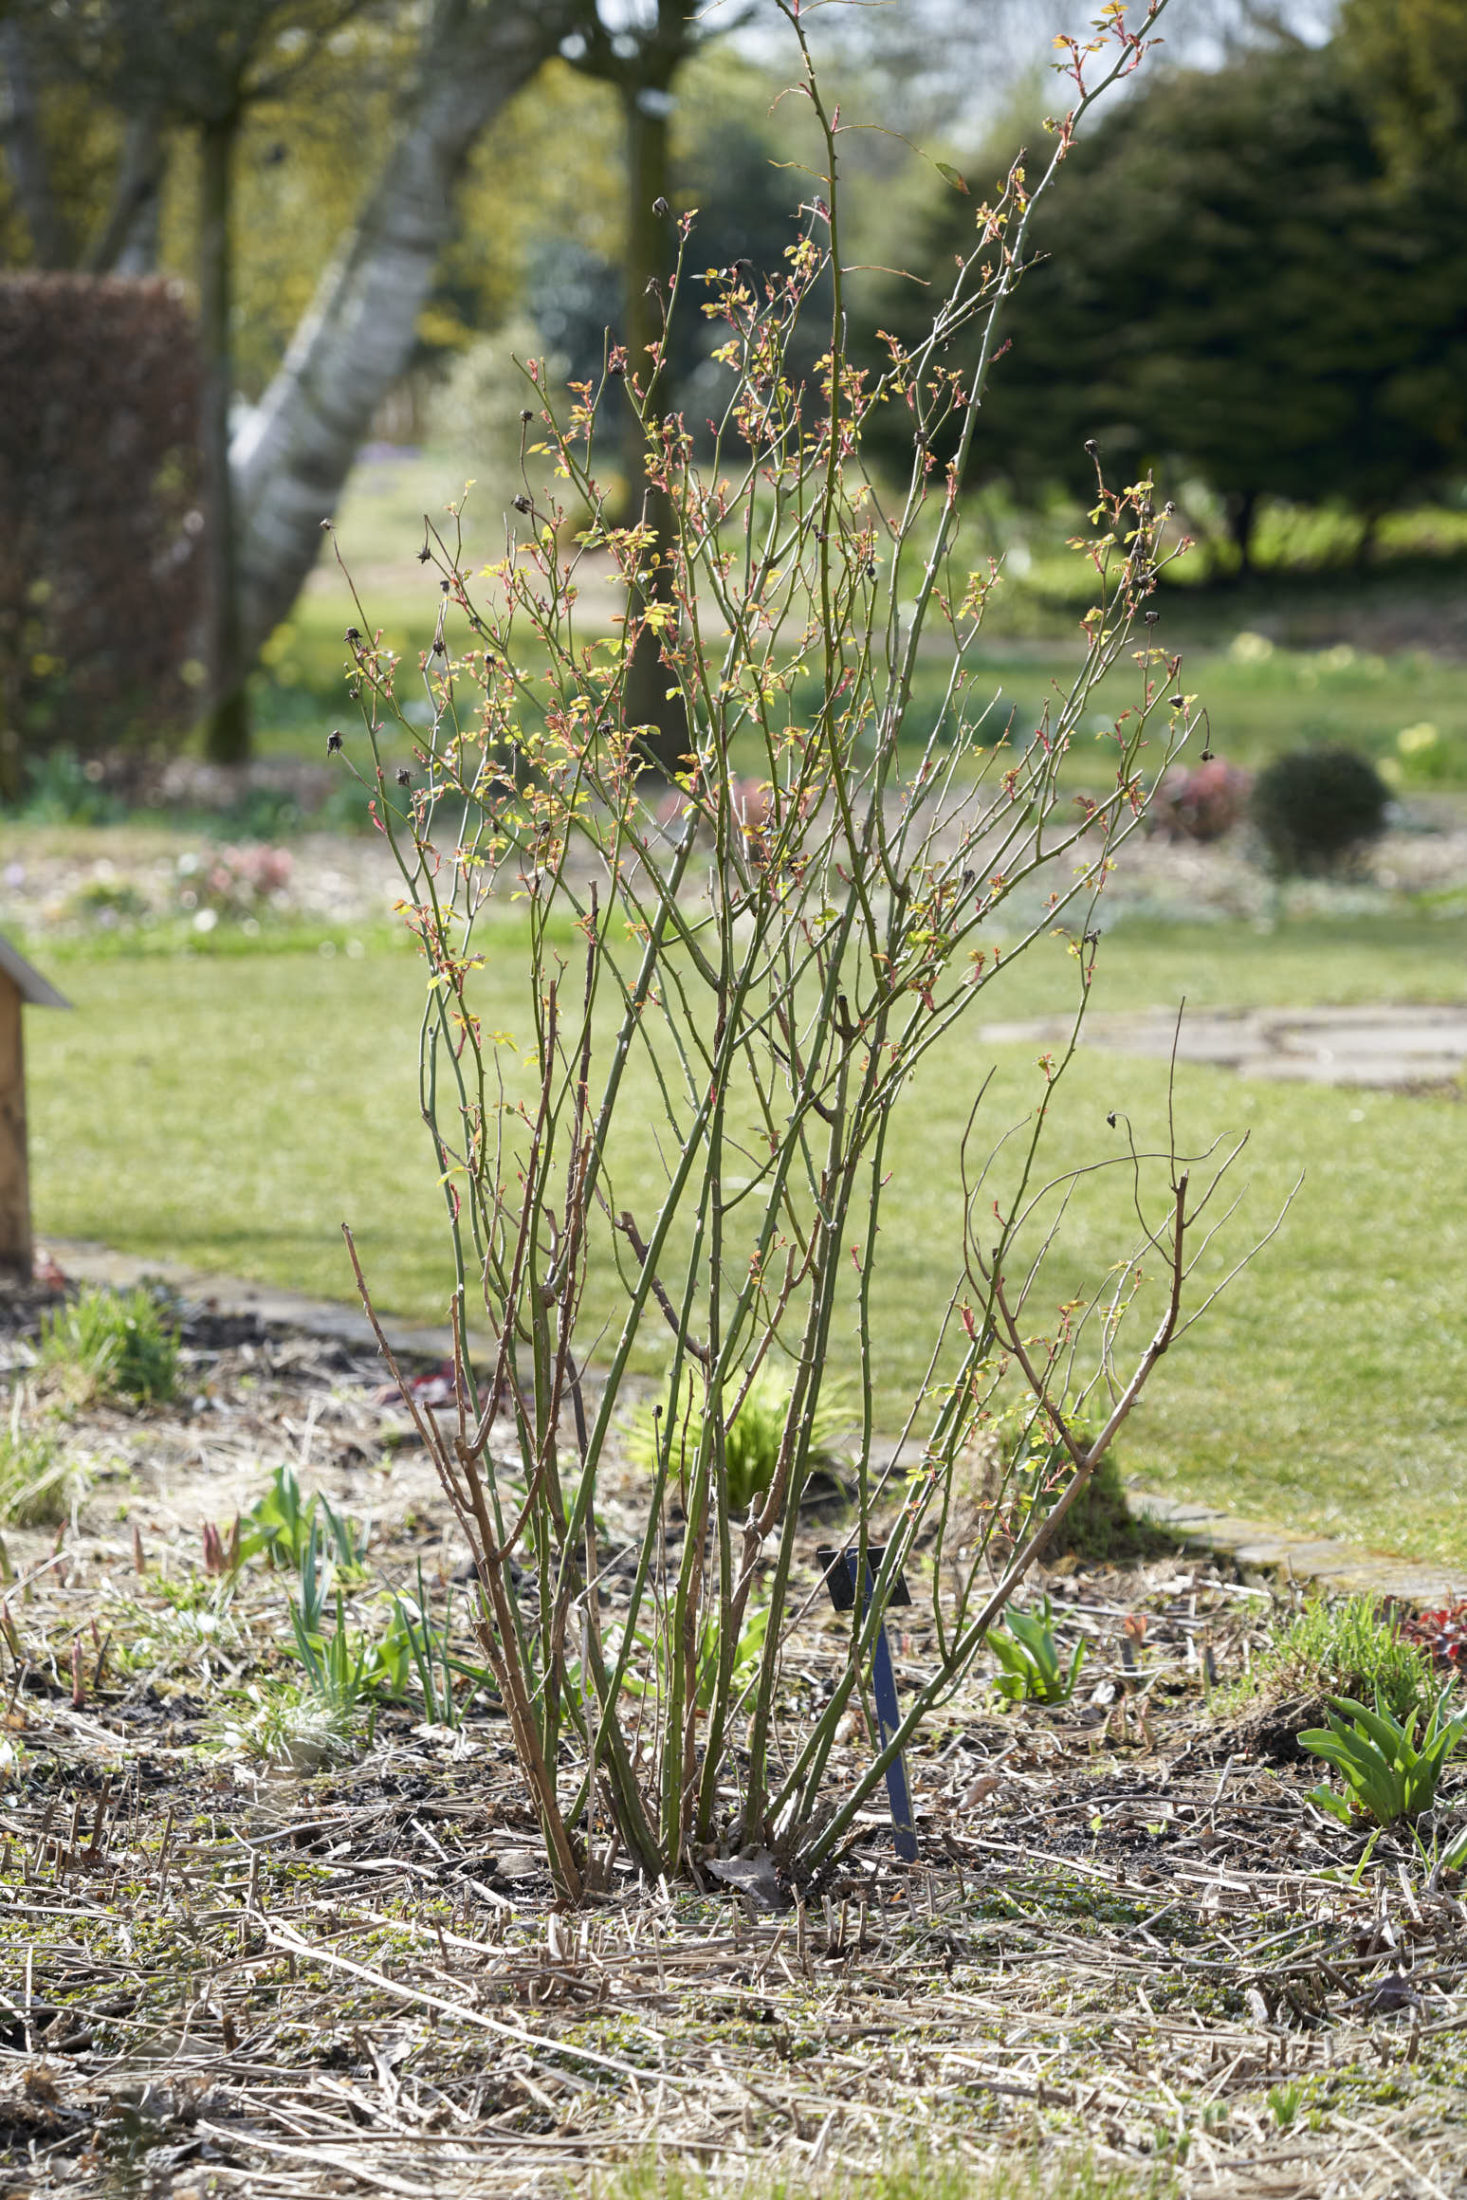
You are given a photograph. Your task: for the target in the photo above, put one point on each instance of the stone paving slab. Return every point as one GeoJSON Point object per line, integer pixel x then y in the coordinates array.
{"type": "Point", "coordinates": [1259, 1547]}
{"type": "Point", "coordinates": [1400, 1044]}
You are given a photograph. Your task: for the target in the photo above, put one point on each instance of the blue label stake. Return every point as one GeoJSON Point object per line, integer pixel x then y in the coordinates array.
{"type": "Point", "coordinates": [840, 1580]}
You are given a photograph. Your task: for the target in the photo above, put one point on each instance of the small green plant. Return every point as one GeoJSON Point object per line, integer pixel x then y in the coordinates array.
{"type": "Point", "coordinates": [186, 1626]}
{"type": "Point", "coordinates": [282, 1724]}
{"type": "Point", "coordinates": [1388, 1774]}
{"type": "Point", "coordinates": [117, 1344]}
{"type": "Point", "coordinates": [1314, 807]}
{"type": "Point", "coordinates": [280, 1525]}
{"type": "Point", "coordinates": [1283, 2104]}
{"type": "Point", "coordinates": [413, 1645]}
{"type": "Point", "coordinates": [36, 1484]}
{"type": "Point", "coordinates": [1030, 1657]}
{"type": "Point", "coordinates": [1351, 1647]}
{"type": "Point", "coordinates": [752, 1439]}
{"type": "Point", "coordinates": [277, 1525]}
{"type": "Point", "coordinates": [341, 1668]}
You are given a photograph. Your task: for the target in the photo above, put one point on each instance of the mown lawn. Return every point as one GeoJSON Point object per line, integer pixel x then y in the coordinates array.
{"type": "Point", "coordinates": [233, 1111]}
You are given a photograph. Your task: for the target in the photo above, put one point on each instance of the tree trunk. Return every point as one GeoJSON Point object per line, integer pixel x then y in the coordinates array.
{"type": "Point", "coordinates": [25, 151]}
{"type": "Point", "coordinates": [128, 241]}
{"type": "Point", "coordinates": [358, 334]}
{"type": "Point", "coordinates": [227, 726]}
{"type": "Point", "coordinates": [1240, 508]}
{"type": "Point", "coordinates": [646, 700]}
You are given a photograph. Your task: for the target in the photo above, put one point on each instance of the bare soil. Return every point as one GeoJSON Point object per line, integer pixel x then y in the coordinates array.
{"type": "Point", "coordinates": [1129, 1936]}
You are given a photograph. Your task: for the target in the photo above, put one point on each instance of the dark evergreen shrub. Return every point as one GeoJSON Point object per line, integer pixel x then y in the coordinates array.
{"type": "Point", "coordinates": [1314, 807]}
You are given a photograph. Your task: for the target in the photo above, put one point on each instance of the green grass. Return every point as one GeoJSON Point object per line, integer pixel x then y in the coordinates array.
{"type": "Point", "coordinates": [111, 1344]}
{"type": "Point", "coordinates": [1022, 2177]}
{"type": "Point", "coordinates": [36, 1482]}
{"type": "Point", "coordinates": [1350, 1647]}
{"type": "Point", "coordinates": [232, 1113]}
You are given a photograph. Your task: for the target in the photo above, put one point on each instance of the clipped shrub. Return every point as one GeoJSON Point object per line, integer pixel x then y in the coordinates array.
{"type": "Point", "coordinates": [1023, 1477]}
{"type": "Point", "coordinates": [1313, 808]}
{"type": "Point", "coordinates": [797, 950]}
{"type": "Point", "coordinates": [116, 1344]}
{"type": "Point", "coordinates": [100, 533]}
{"type": "Point", "coordinates": [752, 1439]}
{"type": "Point", "coordinates": [1204, 803]}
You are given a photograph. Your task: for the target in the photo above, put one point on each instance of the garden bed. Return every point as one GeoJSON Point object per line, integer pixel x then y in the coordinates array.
{"type": "Point", "coordinates": [247, 1954]}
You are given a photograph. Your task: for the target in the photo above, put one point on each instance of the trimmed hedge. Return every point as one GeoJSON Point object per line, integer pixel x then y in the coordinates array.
{"type": "Point", "coordinates": [101, 533]}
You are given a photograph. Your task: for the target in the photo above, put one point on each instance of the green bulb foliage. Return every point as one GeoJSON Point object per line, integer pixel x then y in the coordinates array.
{"type": "Point", "coordinates": [1389, 1773]}
{"type": "Point", "coordinates": [1031, 1659]}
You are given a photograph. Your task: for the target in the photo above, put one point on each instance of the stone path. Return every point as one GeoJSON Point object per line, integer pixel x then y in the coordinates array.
{"type": "Point", "coordinates": [1391, 1047]}
{"type": "Point", "coordinates": [1256, 1546]}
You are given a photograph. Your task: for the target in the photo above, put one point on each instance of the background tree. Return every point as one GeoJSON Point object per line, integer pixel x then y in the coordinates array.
{"type": "Point", "coordinates": [641, 59]}
{"type": "Point", "coordinates": [83, 181]}
{"type": "Point", "coordinates": [357, 336]}
{"type": "Point", "coordinates": [1408, 62]}
{"type": "Point", "coordinates": [286, 471]}
{"type": "Point", "coordinates": [1227, 287]}
{"type": "Point", "coordinates": [200, 65]}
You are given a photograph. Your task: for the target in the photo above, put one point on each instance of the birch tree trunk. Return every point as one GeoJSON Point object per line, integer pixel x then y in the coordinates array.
{"type": "Point", "coordinates": [357, 336]}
